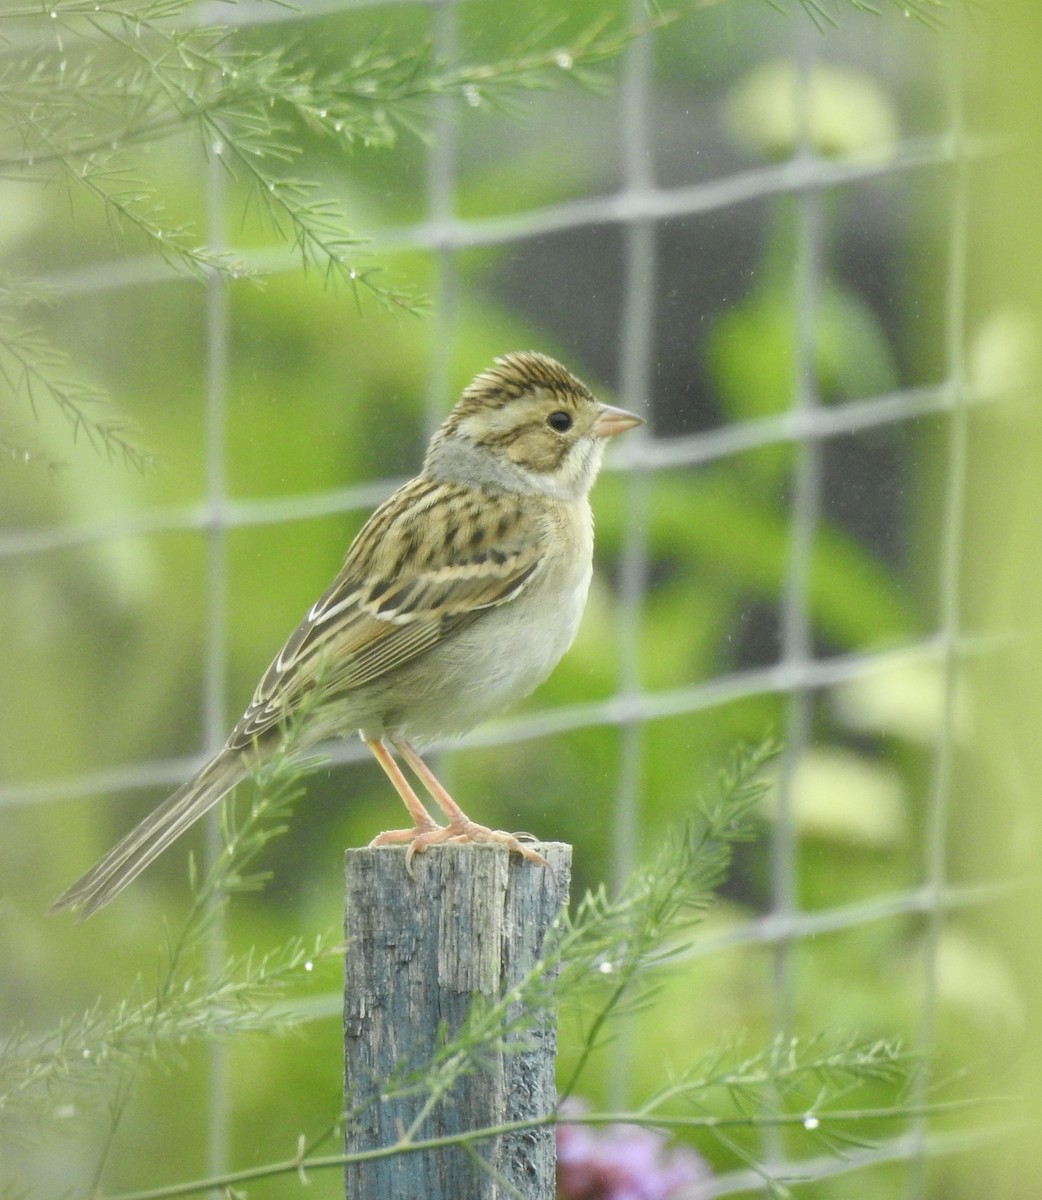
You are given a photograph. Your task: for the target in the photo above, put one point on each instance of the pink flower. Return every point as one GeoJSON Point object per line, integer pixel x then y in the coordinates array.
{"type": "Point", "coordinates": [622, 1162]}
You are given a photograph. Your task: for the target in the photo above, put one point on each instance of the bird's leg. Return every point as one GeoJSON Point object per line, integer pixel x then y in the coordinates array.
{"type": "Point", "coordinates": [431, 782]}
{"type": "Point", "coordinates": [423, 822]}
{"type": "Point", "coordinates": [460, 827]}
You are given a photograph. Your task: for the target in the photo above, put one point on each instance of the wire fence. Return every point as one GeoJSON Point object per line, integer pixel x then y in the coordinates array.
{"type": "Point", "coordinates": [638, 209]}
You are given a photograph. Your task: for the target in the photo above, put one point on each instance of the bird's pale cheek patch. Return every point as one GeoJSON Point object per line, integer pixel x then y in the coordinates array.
{"type": "Point", "coordinates": [535, 450]}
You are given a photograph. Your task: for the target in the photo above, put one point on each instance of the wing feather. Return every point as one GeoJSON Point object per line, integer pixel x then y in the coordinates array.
{"type": "Point", "coordinates": [399, 594]}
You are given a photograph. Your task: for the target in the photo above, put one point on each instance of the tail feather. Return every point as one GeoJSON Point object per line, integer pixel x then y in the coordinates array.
{"type": "Point", "coordinates": [148, 839]}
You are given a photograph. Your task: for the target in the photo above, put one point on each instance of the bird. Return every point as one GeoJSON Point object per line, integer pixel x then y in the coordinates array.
{"type": "Point", "coordinates": [459, 595]}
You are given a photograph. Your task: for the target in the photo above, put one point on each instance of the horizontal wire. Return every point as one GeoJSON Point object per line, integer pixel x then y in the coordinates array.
{"type": "Point", "coordinates": [256, 12]}
{"type": "Point", "coordinates": [193, 517]}
{"type": "Point", "coordinates": [856, 1158]}
{"type": "Point", "coordinates": [766, 930]}
{"type": "Point", "coordinates": [647, 454]}
{"type": "Point", "coordinates": [548, 722]}
{"type": "Point", "coordinates": [773, 928]}
{"type": "Point", "coordinates": [618, 208]}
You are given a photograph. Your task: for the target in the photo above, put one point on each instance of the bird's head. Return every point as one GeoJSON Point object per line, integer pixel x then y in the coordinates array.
{"type": "Point", "coordinates": [526, 424]}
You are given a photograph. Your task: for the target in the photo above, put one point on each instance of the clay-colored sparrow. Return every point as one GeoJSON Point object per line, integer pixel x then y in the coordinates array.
{"type": "Point", "coordinates": [460, 593]}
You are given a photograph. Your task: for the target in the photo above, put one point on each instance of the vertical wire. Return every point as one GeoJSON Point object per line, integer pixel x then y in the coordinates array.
{"type": "Point", "coordinates": [441, 193]}
{"type": "Point", "coordinates": [215, 634]}
{"type": "Point", "coordinates": [797, 648]}
{"type": "Point", "coordinates": [638, 285]}
{"type": "Point", "coordinates": [949, 610]}
{"type": "Point", "coordinates": [796, 634]}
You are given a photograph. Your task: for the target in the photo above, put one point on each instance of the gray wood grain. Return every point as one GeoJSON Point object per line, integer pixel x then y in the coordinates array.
{"type": "Point", "coordinates": [471, 923]}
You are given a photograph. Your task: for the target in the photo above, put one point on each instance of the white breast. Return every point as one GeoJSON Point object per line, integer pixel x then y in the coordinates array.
{"type": "Point", "coordinates": [508, 651]}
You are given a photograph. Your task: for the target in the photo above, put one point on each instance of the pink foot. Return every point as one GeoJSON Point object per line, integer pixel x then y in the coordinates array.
{"type": "Point", "coordinates": [420, 837]}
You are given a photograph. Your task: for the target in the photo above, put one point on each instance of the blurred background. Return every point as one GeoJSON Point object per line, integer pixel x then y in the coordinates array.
{"type": "Point", "coordinates": [752, 229]}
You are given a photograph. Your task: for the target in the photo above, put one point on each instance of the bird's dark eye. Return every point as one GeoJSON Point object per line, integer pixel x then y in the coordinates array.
{"type": "Point", "coordinates": [559, 421]}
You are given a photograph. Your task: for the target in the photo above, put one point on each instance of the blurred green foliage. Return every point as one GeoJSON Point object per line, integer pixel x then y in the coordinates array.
{"type": "Point", "coordinates": [997, 785]}
{"type": "Point", "coordinates": [114, 583]}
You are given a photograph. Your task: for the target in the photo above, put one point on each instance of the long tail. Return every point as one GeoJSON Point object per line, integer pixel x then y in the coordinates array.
{"type": "Point", "coordinates": [147, 840]}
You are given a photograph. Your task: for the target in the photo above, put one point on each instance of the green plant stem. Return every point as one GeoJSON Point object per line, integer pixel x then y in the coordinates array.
{"type": "Point", "coordinates": [300, 1164]}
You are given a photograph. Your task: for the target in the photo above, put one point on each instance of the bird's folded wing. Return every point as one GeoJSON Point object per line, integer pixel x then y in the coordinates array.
{"type": "Point", "coordinates": [362, 629]}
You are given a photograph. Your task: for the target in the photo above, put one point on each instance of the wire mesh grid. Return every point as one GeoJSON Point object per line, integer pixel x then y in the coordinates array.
{"type": "Point", "coordinates": [637, 208]}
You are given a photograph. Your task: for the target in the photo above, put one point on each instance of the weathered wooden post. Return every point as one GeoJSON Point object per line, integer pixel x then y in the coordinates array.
{"type": "Point", "coordinates": [472, 922]}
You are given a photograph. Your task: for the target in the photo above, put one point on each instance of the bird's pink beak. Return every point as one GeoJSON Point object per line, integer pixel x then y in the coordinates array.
{"type": "Point", "coordinates": [611, 421]}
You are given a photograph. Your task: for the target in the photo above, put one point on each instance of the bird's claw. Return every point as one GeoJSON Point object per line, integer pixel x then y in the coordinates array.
{"type": "Point", "coordinates": [458, 833]}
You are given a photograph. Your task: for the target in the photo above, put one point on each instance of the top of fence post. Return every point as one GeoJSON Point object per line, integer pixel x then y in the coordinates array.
{"type": "Point", "coordinates": [418, 953]}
